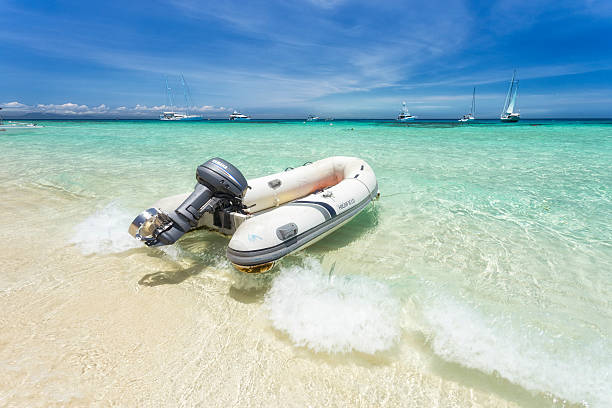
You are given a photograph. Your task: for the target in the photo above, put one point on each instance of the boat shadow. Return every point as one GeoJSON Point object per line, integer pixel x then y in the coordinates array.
{"type": "Point", "coordinates": [201, 249]}
{"type": "Point", "coordinates": [169, 277]}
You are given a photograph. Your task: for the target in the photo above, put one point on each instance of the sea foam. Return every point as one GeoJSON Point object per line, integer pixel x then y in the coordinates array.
{"type": "Point", "coordinates": [105, 231]}
{"type": "Point", "coordinates": [535, 361]}
{"type": "Point", "coordinates": [333, 314]}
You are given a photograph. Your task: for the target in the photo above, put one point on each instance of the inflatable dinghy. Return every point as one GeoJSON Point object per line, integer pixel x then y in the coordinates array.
{"type": "Point", "coordinates": [267, 217]}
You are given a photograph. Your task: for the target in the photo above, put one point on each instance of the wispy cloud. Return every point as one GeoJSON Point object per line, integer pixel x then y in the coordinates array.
{"type": "Point", "coordinates": [491, 76]}
{"type": "Point", "coordinates": [326, 4]}
{"type": "Point", "coordinates": [289, 54]}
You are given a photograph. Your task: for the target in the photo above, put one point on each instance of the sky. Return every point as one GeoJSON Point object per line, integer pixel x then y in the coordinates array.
{"type": "Point", "coordinates": [288, 59]}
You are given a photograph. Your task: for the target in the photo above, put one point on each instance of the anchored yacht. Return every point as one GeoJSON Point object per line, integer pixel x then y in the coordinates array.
{"type": "Point", "coordinates": [239, 116]}
{"type": "Point", "coordinates": [172, 115]}
{"type": "Point", "coordinates": [178, 116]}
{"type": "Point", "coordinates": [508, 114]}
{"type": "Point", "coordinates": [470, 116]}
{"type": "Point", "coordinates": [404, 115]}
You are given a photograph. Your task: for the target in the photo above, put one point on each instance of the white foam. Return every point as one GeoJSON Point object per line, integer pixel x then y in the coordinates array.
{"type": "Point", "coordinates": [334, 315]}
{"type": "Point", "coordinates": [105, 231]}
{"type": "Point", "coordinates": [523, 356]}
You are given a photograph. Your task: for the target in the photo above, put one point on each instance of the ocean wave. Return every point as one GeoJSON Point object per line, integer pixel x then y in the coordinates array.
{"type": "Point", "coordinates": [524, 356]}
{"type": "Point", "coordinates": [105, 231]}
{"type": "Point", "coordinates": [333, 314]}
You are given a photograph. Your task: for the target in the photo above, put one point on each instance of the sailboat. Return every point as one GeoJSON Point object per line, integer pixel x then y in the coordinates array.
{"type": "Point", "coordinates": [508, 114]}
{"type": "Point", "coordinates": [404, 115]}
{"type": "Point", "coordinates": [470, 116]}
{"type": "Point", "coordinates": [171, 114]}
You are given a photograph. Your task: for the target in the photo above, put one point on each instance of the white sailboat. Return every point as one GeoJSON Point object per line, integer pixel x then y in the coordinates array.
{"type": "Point", "coordinates": [470, 116]}
{"type": "Point", "coordinates": [508, 114]}
{"type": "Point", "coordinates": [404, 115]}
{"type": "Point", "coordinates": [172, 114]}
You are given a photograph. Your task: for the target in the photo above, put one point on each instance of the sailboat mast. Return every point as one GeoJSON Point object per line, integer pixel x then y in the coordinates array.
{"type": "Point", "coordinates": [509, 95]}
{"type": "Point", "coordinates": [512, 95]}
{"type": "Point", "coordinates": [473, 112]}
{"type": "Point", "coordinates": [185, 94]}
{"type": "Point", "coordinates": [169, 96]}
{"type": "Point", "coordinates": [167, 92]}
{"type": "Point", "coordinates": [513, 100]}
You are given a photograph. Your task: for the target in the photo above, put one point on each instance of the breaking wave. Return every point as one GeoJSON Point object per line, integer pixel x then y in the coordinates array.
{"type": "Point", "coordinates": [105, 231]}
{"type": "Point", "coordinates": [525, 356]}
{"type": "Point", "coordinates": [333, 314]}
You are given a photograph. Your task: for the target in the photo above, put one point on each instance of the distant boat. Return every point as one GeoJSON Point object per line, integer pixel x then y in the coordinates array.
{"type": "Point", "coordinates": [508, 114]}
{"type": "Point", "coordinates": [16, 126]}
{"type": "Point", "coordinates": [312, 118]}
{"type": "Point", "coordinates": [239, 116]}
{"type": "Point", "coordinates": [178, 116]}
{"type": "Point", "coordinates": [173, 115]}
{"type": "Point", "coordinates": [470, 116]}
{"type": "Point", "coordinates": [404, 115]}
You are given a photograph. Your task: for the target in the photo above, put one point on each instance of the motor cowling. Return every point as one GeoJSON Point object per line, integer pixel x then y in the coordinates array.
{"type": "Point", "coordinates": [222, 177]}
{"type": "Point", "coordinates": [220, 185]}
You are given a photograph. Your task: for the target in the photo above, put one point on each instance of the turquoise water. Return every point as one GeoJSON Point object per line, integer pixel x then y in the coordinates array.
{"type": "Point", "coordinates": [495, 239]}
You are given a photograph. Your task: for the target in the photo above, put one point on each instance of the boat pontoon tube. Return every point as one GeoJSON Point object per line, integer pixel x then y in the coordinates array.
{"type": "Point", "coordinates": [285, 212]}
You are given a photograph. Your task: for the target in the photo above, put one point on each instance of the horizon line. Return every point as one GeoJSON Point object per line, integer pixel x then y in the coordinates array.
{"type": "Point", "coordinates": [126, 118]}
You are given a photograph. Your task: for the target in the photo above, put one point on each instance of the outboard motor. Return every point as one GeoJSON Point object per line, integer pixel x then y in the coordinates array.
{"type": "Point", "coordinates": [221, 186]}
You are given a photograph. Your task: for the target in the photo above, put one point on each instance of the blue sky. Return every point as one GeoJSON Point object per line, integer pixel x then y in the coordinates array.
{"type": "Point", "coordinates": [290, 58]}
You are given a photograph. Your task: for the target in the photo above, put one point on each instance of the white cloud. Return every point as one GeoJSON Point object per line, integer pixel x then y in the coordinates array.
{"type": "Point", "coordinates": [13, 105]}
{"type": "Point", "coordinates": [74, 109]}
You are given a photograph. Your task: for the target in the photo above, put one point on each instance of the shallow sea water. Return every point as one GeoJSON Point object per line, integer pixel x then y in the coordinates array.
{"type": "Point", "coordinates": [482, 276]}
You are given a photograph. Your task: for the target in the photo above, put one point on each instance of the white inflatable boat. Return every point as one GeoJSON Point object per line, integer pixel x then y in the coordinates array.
{"type": "Point", "coordinates": [268, 217]}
